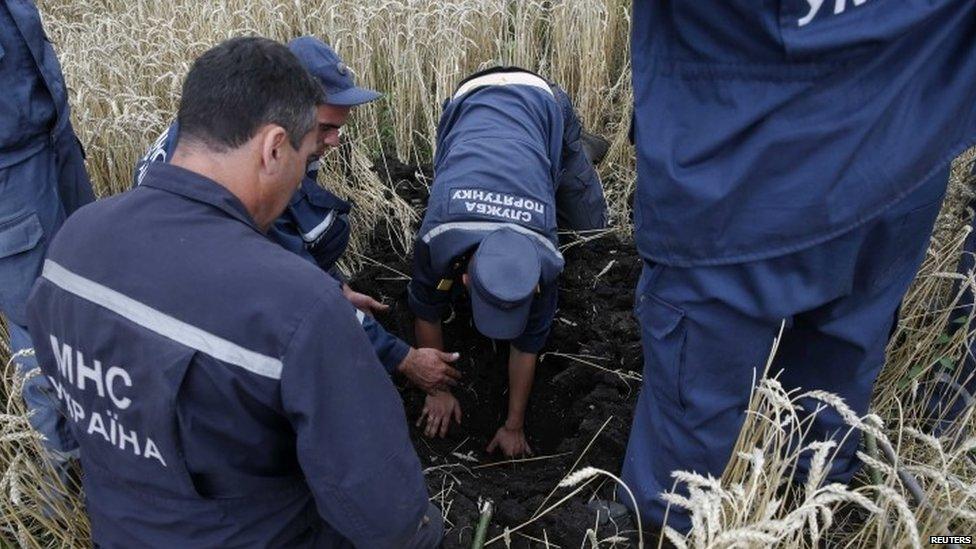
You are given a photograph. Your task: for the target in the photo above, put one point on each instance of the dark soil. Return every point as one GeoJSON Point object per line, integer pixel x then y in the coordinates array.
{"type": "Point", "coordinates": [570, 401]}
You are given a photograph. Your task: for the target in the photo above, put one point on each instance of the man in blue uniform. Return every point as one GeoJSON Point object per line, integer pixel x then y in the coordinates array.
{"type": "Point", "coordinates": [791, 161]}
{"type": "Point", "coordinates": [221, 389]}
{"type": "Point", "coordinates": [510, 167]}
{"type": "Point", "coordinates": [315, 224]}
{"type": "Point", "coordinates": [42, 181]}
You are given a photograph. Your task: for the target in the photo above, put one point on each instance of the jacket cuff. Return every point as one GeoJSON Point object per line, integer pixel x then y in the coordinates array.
{"type": "Point", "coordinates": [530, 344]}
{"type": "Point", "coordinates": [422, 310]}
{"type": "Point", "coordinates": [395, 356]}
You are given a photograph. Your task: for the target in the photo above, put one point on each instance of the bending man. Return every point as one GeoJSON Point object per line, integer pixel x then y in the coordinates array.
{"type": "Point", "coordinates": [510, 167]}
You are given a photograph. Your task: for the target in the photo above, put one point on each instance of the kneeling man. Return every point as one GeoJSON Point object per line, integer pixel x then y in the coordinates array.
{"type": "Point", "coordinates": [223, 393]}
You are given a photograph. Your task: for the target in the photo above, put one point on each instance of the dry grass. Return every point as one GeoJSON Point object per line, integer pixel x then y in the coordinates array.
{"type": "Point", "coordinates": [37, 507]}
{"type": "Point", "coordinates": [124, 62]}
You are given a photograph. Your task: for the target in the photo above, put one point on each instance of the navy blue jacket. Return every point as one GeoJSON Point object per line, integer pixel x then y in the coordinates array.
{"type": "Point", "coordinates": [221, 389]}
{"type": "Point", "coordinates": [34, 103]}
{"type": "Point", "coordinates": [42, 173]}
{"type": "Point", "coordinates": [34, 113]}
{"type": "Point", "coordinates": [315, 226]}
{"type": "Point", "coordinates": [765, 128]}
{"type": "Point", "coordinates": [508, 155]}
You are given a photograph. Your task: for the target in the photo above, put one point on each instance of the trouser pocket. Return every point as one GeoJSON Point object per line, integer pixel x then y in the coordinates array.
{"type": "Point", "coordinates": [20, 262]}
{"type": "Point", "coordinates": [895, 245]}
{"type": "Point", "coordinates": [30, 213]}
{"type": "Point", "coordinates": [663, 337]}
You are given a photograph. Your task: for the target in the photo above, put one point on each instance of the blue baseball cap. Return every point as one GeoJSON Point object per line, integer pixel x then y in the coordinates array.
{"type": "Point", "coordinates": [503, 275]}
{"type": "Point", "coordinates": [336, 78]}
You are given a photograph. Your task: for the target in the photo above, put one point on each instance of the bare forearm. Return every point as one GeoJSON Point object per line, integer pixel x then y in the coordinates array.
{"type": "Point", "coordinates": [429, 334]}
{"type": "Point", "coordinates": [521, 373]}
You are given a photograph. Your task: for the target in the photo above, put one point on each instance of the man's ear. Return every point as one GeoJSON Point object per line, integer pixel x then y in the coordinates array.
{"type": "Point", "coordinates": [273, 139]}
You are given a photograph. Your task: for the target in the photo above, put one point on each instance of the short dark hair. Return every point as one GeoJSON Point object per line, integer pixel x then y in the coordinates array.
{"type": "Point", "coordinates": [242, 84]}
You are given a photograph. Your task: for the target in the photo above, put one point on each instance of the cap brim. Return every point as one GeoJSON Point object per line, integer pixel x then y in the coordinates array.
{"type": "Point", "coordinates": [352, 97]}
{"type": "Point", "coordinates": [498, 323]}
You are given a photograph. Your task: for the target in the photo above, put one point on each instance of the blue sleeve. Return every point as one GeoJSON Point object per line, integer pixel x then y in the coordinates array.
{"type": "Point", "coordinates": [390, 349]}
{"type": "Point", "coordinates": [425, 300]}
{"type": "Point", "coordinates": [580, 203]}
{"type": "Point", "coordinates": [351, 430]}
{"type": "Point", "coordinates": [543, 310]}
{"type": "Point", "coordinates": [319, 220]}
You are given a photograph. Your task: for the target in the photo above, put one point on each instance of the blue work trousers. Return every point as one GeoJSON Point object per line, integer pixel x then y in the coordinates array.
{"type": "Point", "coordinates": [707, 332]}
{"type": "Point", "coordinates": [36, 196]}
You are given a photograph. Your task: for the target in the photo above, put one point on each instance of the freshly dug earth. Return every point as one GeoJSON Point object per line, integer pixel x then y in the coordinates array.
{"type": "Point", "coordinates": [576, 400]}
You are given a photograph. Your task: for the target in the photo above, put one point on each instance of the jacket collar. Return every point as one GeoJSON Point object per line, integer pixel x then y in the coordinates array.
{"type": "Point", "coordinates": [188, 184]}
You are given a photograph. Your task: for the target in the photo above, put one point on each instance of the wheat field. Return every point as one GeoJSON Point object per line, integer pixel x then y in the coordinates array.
{"type": "Point", "coordinates": [124, 62]}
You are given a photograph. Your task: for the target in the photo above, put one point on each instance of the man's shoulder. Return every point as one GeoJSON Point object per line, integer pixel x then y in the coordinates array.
{"type": "Point", "coordinates": [112, 218]}
{"type": "Point", "coordinates": [167, 233]}
{"type": "Point", "coordinates": [90, 217]}
{"type": "Point", "coordinates": [220, 276]}
{"type": "Point", "coordinates": [290, 273]}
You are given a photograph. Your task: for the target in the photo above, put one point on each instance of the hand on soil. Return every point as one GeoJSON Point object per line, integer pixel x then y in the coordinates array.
{"type": "Point", "coordinates": [511, 441]}
{"type": "Point", "coordinates": [430, 369]}
{"type": "Point", "coordinates": [363, 302]}
{"type": "Point", "coordinates": [438, 410]}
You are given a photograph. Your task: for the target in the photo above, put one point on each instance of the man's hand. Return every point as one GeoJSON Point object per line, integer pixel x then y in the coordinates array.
{"type": "Point", "coordinates": [430, 369]}
{"type": "Point", "coordinates": [438, 410]}
{"type": "Point", "coordinates": [511, 436]}
{"type": "Point", "coordinates": [363, 302]}
{"type": "Point", "coordinates": [511, 441]}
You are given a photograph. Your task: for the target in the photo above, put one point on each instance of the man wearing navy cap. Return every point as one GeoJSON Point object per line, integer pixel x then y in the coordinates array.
{"type": "Point", "coordinates": [315, 225]}
{"type": "Point", "coordinates": [220, 387]}
{"type": "Point", "coordinates": [511, 165]}
{"type": "Point", "coordinates": [792, 157]}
